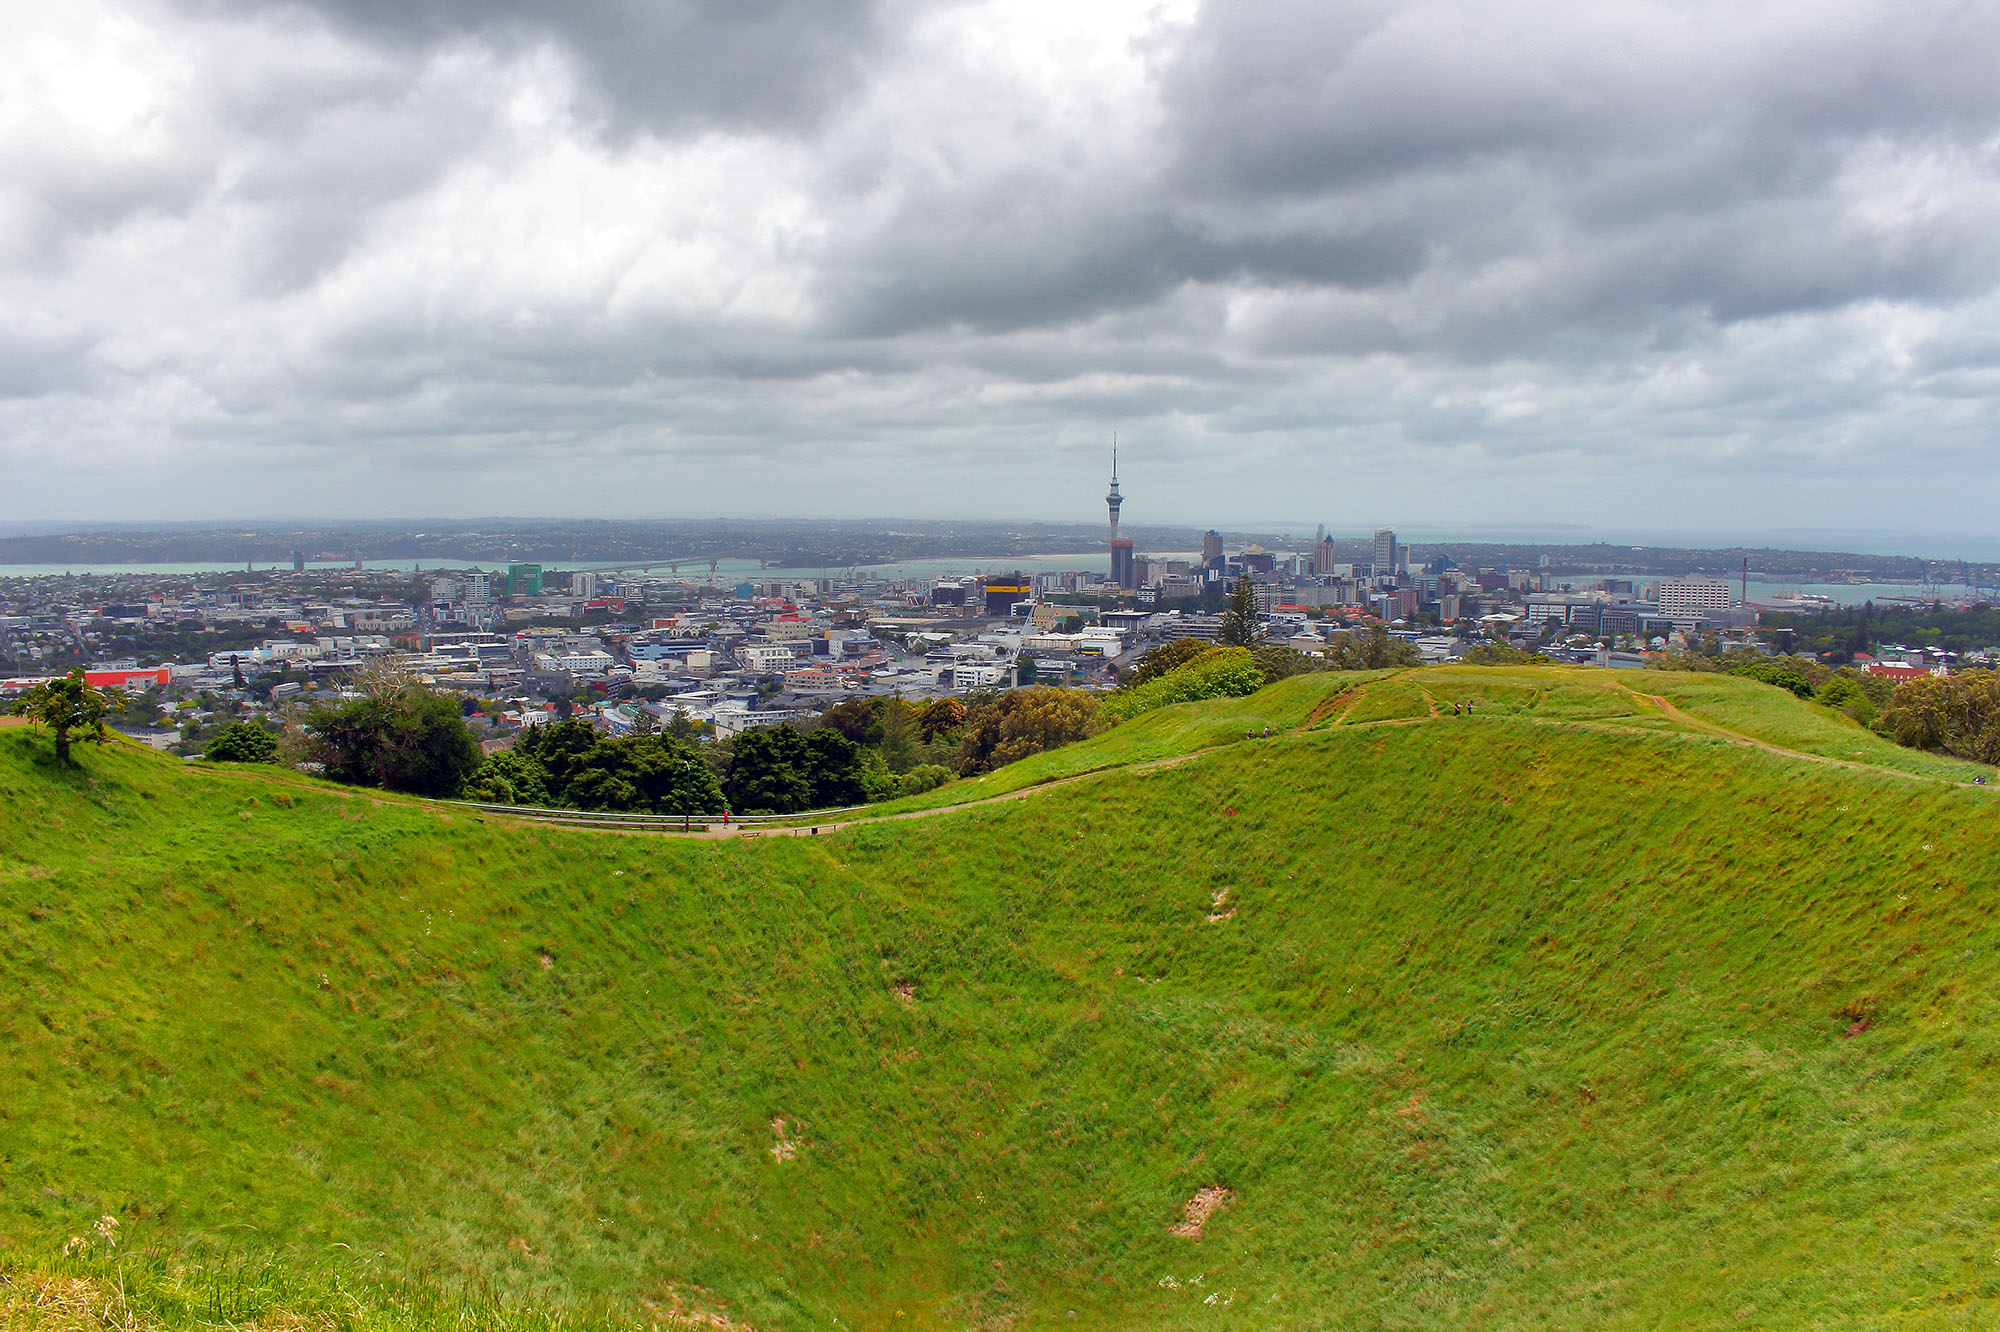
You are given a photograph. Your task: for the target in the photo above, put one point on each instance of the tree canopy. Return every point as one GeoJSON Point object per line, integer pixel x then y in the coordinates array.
{"type": "Point", "coordinates": [1020, 722]}
{"type": "Point", "coordinates": [71, 709]}
{"type": "Point", "coordinates": [242, 742]}
{"type": "Point", "coordinates": [403, 738]}
{"type": "Point", "coordinates": [778, 770]}
{"type": "Point", "coordinates": [1241, 625]}
{"type": "Point", "coordinates": [1953, 714]}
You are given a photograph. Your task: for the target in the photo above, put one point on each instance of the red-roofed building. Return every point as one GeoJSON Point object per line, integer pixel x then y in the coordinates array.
{"type": "Point", "coordinates": [1889, 671]}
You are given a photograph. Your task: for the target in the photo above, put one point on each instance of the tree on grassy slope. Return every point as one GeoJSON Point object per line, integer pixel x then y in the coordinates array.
{"type": "Point", "coordinates": [1372, 651]}
{"type": "Point", "coordinates": [777, 770]}
{"type": "Point", "coordinates": [72, 711]}
{"type": "Point", "coordinates": [242, 742]}
{"type": "Point", "coordinates": [1771, 673]}
{"type": "Point", "coordinates": [572, 765]}
{"type": "Point", "coordinates": [1953, 714]}
{"type": "Point", "coordinates": [1241, 626]}
{"type": "Point", "coordinates": [1021, 722]}
{"type": "Point", "coordinates": [404, 739]}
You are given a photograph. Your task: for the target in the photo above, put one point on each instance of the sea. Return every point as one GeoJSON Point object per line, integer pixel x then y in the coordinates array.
{"type": "Point", "coordinates": [735, 571]}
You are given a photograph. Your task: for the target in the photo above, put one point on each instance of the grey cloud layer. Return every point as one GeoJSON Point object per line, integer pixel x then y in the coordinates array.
{"type": "Point", "coordinates": [514, 255]}
{"type": "Point", "coordinates": [664, 64]}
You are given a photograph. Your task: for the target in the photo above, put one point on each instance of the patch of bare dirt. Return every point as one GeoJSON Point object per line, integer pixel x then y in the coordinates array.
{"type": "Point", "coordinates": [1199, 1208]}
{"type": "Point", "coordinates": [906, 993]}
{"type": "Point", "coordinates": [1329, 706]}
{"type": "Point", "coordinates": [1216, 900]}
{"type": "Point", "coordinates": [786, 1148]}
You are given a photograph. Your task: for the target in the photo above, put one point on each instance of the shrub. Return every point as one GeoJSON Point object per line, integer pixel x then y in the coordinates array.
{"type": "Point", "coordinates": [1219, 673]}
{"type": "Point", "coordinates": [570, 764]}
{"type": "Point", "coordinates": [1166, 658]}
{"type": "Point", "coordinates": [924, 777]}
{"type": "Point", "coordinates": [1771, 673]}
{"type": "Point", "coordinates": [242, 742]}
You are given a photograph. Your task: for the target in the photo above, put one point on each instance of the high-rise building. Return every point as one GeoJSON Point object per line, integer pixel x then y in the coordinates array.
{"type": "Point", "coordinates": [1001, 591]}
{"type": "Point", "coordinates": [1122, 572]}
{"type": "Point", "coordinates": [1385, 552]}
{"type": "Point", "coordinates": [1211, 549]}
{"type": "Point", "coordinates": [1684, 600]}
{"type": "Point", "coordinates": [1322, 556]}
{"type": "Point", "coordinates": [298, 561]}
{"type": "Point", "coordinates": [525, 580]}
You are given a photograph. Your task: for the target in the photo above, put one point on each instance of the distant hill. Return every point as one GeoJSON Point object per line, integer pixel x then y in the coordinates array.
{"type": "Point", "coordinates": [1625, 1000]}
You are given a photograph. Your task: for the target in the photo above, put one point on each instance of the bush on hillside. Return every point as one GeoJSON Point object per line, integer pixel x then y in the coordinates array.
{"type": "Point", "coordinates": [942, 720]}
{"type": "Point", "coordinates": [1218, 673]}
{"type": "Point", "coordinates": [1860, 697]}
{"type": "Point", "coordinates": [1771, 673]}
{"type": "Point", "coordinates": [242, 742]}
{"type": "Point", "coordinates": [404, 738]}
{"type": "Point", "coordinates": [924, 777]}
{"type": "Point", "coordinates": [509, 778]}
{"type": "Point", "coordinates": [1502, 654]}
{"type": "Point", "coordinates": [1953, 714]}
{"type": "Point", "coordinates": [1020, 722]}
{"type": "Point", "coordinates": [1281, 661]}
{"type": "Point", "coordinates": [1166, 658]}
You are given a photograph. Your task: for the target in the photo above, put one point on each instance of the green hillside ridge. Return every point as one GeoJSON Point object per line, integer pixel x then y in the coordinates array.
{"type": "Point", "coordinates": [1576, 1011]}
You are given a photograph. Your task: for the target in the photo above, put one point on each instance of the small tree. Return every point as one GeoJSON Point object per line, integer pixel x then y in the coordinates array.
{"type": "Point", "coordinates": [1241, 626]}
{"type": "Point", "coordinates": [242, 742]}
{"type": "Point", "coordinates": [71, 709]}
{"type": "Point", "coordinates": [941, 719]}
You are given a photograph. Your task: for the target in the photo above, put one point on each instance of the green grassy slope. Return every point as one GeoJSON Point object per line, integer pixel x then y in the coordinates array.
{"type": "Point", "coordinates": [1710, 705]}
{"type": "Point", "coordinates": [1610, 1022]}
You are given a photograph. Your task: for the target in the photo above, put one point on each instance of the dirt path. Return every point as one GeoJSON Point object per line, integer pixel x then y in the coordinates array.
{"type": "Point", "coordinates": [1694, 725]}
{"type": "Point", "coordinates": [1738, 738]}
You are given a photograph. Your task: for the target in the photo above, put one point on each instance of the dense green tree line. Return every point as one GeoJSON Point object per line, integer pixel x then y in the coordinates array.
{"type": "Point", "coordinates": [1842, 633]}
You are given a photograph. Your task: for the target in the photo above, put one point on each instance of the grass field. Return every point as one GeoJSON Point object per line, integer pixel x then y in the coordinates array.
{"type": "Point", "coordinates": [1574, 1012]}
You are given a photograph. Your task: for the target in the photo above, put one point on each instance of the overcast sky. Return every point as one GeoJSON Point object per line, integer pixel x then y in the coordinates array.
{"type": "Point", "coordinates": [1641, 267]}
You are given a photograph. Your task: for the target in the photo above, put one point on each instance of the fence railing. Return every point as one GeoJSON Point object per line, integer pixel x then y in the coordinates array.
{"type": "Point", "coordinates": [655, 822]}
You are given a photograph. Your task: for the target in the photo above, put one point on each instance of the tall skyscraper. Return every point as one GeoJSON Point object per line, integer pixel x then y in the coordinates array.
{"type": "Point", "coordinates": [1385, 552]}
{"type": "Point", "coordinates": [1211, 549]}
{"type": "Point", "coordinates": [1122, 572]}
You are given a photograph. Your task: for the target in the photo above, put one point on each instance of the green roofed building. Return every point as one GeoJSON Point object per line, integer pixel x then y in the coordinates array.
{"type": "Point", "coordinates": [524, 580]}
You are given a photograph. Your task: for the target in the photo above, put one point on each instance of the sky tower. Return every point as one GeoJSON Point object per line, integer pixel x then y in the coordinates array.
{"type": "Point", "coordinates": [1121, 550]}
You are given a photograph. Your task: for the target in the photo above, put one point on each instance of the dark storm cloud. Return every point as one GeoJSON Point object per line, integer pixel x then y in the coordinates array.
{"type": "Point", "coordinates": [664, 64]}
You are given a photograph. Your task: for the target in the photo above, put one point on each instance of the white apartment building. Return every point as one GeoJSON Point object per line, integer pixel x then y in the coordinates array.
{"type": "Point", "coordinates": [572, 661]}
{"type": "Point", "coordinates": [766, 658]}
{"type": "Point", "coordinates": [1687, 600]}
